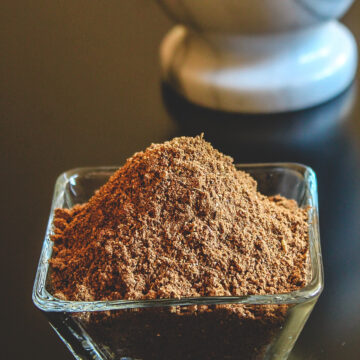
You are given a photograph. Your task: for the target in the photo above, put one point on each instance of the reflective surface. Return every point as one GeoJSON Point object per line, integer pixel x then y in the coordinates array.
{"type": "Point", "coordinates": [80, 87]}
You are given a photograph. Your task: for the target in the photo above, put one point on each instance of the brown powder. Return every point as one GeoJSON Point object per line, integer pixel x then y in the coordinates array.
{"type": "Point", "coordinates": [213, 332]}
{"type": "Point", "coordinates": [178, 220]}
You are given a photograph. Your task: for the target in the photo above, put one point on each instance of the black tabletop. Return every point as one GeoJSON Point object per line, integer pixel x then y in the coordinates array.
{"type": "Point", "coordinates": [80, 86]}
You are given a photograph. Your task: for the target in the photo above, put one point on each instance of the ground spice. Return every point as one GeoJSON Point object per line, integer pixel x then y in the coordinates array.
{"type": "Point", "coordinates": [179, 220]}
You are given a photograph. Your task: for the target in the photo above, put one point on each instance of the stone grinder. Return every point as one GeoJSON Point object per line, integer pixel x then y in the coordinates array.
{"type": "Point", "coordinates": [258, 56]}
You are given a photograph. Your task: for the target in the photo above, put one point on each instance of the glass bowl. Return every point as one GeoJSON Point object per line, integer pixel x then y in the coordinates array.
{"type": "Point", "coordinates": [188, 328]}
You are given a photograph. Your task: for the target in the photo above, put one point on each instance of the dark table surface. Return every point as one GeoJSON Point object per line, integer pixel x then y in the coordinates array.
{"type": "Point", "coordinates": [80, 86]}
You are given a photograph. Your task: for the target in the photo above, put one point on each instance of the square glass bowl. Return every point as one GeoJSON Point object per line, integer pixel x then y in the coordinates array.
{"type": "Point", "coordinates": [203, 328]}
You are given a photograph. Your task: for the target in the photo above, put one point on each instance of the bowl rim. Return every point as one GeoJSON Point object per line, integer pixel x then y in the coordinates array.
{"type": "Point", "coordinates": [48, 303]}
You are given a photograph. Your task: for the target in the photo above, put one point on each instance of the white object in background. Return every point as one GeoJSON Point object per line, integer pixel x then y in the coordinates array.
{"type": "Point", "coordinates": [258, 55]}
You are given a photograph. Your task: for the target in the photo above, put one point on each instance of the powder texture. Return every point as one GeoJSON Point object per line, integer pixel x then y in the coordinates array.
{"type": "Point", "coordinates": [179, 220]}
{"type": "Point", "coordinates": [188, 332]}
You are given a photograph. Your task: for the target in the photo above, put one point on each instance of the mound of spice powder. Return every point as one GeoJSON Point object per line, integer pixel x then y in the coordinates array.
{"type": "Point", "coordinates": [179, 220]}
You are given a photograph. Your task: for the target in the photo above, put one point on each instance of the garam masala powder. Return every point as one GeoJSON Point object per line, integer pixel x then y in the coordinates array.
{"type": "Point", "coordinates": [179, 220]}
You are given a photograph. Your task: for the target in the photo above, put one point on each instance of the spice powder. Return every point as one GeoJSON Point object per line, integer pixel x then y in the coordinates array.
{"type": "Point", "coordinates": [179, 220]}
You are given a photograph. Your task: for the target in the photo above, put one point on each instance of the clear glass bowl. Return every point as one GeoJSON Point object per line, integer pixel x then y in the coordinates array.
{"type": "Point", "coordinates": [189, 328]}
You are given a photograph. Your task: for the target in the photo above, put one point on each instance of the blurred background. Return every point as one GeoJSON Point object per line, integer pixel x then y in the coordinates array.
{"type": "Point", "coordinates": [80, 86]}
